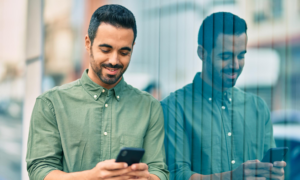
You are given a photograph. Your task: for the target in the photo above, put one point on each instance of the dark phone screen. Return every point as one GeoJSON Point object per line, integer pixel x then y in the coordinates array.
{"type": "Point", "coordinates": [130, 155]}
{"type": "Point", "coordinates": [275, 154]}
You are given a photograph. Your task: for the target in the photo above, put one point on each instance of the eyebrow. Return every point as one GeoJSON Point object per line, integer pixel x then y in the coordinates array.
{"type": "Point", "coordinates": [225, 53]}
{"type": "Point", "coordinates": [105, 45]}
{"type": "Point", "coordinates": [126, 48]}
{"type": "Point", "coordinates": [109, 46]}
{"type": "Point", "coordinates": [243, 52]}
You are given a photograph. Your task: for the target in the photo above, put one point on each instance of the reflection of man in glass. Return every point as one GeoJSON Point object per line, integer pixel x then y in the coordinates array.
{"type": "Point", "coordinates": [77, 129]}
{"type": "Point", "coordinates": [214, 130]}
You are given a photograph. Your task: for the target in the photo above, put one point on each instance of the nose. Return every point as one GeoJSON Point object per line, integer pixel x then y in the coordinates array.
{"type": "Point", "coordinates": [114, 58]}
{"type": "Point", "coordinates": [235, 63]}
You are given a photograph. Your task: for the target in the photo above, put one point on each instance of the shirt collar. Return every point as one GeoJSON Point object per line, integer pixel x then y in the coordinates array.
{"type": "Point", "coordinates": [208, 91]}
{"type": "Point", "coordinates": [95, 90]}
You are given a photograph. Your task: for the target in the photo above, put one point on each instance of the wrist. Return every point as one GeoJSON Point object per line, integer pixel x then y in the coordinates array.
{"type": "Point", "coordinates": [87, 175]}
{"type": "Point", "coordinates": [153, 177]}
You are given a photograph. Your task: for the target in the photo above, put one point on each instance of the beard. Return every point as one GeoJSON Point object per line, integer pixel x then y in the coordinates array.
{"type": "Point", "coordinates": [107, 78]}
{"type": "Point", "coordinates": [219, 77]}
{"type": "Point", "coordinates": [228, 82]}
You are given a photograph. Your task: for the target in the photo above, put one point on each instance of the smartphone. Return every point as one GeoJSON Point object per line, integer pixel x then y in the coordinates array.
{"type": "Point", "coordinates": [275, 154]}
{"type": "Point", "coordinates": [130, 155]}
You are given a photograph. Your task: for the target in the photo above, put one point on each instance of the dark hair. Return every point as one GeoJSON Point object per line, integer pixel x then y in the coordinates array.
{"type": "Point", "coordinates": [113, 14]}
{"type": "Point", "coordinates": [217, 23]}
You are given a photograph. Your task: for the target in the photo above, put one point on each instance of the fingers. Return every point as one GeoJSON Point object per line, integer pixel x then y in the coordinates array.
{"type": "Point", "coordinates": [279, 164]}
{"type": "Point", "coordinates": [110, 169]}
{"type": "Point", "coordinates": [112, 165]}
{"type": "Point", "coordinates": [139, 167]}
{"type": "Point", "coordinates": [272, 176]}
{"type": "Point", "coordinates": [120, 172]}
{"type": "Point", "coordinates": [255, 172]}
{"type": "Point", "coordinates": [139, 173]}
{"type": "Point", "coordinates": [119, 178]}
{"type": "Point", "coordinates": [277, 171]}
{"type": "Point", "coordinates": [255, 178]}
{"type": "Point", "coordinates": [257, 165]}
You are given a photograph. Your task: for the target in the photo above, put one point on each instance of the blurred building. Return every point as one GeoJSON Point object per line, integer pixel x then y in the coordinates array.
{"type": "Point", "coordinates": [275, 24]}
{"type": "Point", "coordinates": [63, 45]}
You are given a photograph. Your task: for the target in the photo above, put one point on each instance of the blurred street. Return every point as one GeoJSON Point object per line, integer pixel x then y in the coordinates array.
{"type": "Point", "coordinates": [10, 147]}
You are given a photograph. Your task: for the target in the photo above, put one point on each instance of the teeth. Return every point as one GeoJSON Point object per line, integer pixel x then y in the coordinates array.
{"type": "Point", "coordinates": [111, 70]}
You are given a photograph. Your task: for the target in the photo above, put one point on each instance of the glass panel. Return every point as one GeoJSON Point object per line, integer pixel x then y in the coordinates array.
{"type": "Point", "coordinates": [167, 56]}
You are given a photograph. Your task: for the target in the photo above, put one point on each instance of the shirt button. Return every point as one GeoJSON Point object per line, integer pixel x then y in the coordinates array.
{"type": "Point", "coordinates": [223, 107]}
{"type": "Point", "coordinates": [105, 133]}
{"type": "Point", "coordinates": [209, 99]}
{"type": "Point", "coordinates": [229, 134]}
{"type": "Point", "coordinates": [233, 162]}
{"type": "Point", "coordinates": [103, 90]}
{"type": "Point", "coordinates": [225, 94]}
{"type": "Point", "coordinates": [229, 99]}
{"type": "Point", "coordinates": [118, 97]}
{"type": "Point", "coordinates": [106, 105]}
{"type": "Point", "coordinates": [95, 96]}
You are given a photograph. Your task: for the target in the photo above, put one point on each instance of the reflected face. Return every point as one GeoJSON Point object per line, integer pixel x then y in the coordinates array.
{"type": "Point", "coordinates": [111, 52]}
{"type": "Point", "coordinates": [227, 59]}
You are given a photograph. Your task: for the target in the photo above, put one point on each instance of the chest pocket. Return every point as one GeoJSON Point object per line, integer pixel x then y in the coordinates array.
{"type": "Point", "coordinates": [131, 141]}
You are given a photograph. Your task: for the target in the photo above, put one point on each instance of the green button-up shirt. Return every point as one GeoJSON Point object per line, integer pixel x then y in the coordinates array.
{"type": "Point", "coordinates": [210, 132]}
{"type": "Point", "coordinates": [75, 126]}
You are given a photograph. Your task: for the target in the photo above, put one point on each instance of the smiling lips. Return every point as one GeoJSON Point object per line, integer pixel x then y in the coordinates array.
{"type": "Point", "coordinates": [231, 75]}
{"type": "Point", "coordinates": [112, 71]}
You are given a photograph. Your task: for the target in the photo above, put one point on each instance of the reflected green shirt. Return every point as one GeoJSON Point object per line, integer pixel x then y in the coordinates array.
{"type": "Point", "coordinates": [210, 132]}
{"type": "Point", "coordinates": [75, 126]}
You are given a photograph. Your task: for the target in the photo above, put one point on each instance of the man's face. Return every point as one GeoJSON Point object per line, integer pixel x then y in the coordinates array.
{"type": "Point", "coordinates": [110, 53]}
{"type": "Point", "coordinates": [226, 61]}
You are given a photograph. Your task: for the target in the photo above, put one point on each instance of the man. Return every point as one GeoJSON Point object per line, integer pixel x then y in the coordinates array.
{"type": "Point", "coordinates": [214, 130]}
{"type": "Point", "coordinates": [77, 129]}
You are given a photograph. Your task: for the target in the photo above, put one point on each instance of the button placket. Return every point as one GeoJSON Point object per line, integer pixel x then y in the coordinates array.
{"type": "Point", "coordinates": [106, 123]}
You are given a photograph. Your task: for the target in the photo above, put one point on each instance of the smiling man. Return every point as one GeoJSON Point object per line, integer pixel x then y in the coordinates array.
{"type": "Point", "coordinates": [78, 129]}
{"type": "Point", "coordinates": [214, 130]}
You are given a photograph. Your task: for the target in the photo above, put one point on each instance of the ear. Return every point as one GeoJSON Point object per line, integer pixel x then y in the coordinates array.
{"type": "Point", "coordinates": [88, 44]}
{"type": "Point", "coordinates": [201, 52]}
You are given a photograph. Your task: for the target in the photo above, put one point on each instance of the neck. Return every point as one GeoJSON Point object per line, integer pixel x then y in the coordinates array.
{"type": "Point", "coordinates": [96, 80]}
{"type": "Point", "coordinates": [209, 80]}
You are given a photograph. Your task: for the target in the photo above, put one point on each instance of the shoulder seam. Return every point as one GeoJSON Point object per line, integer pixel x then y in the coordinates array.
{"type": "Point", "coordinates": [76, 83]}
{"type": "Point", "coordinates": [50, 106]}
{"type": "Point", "coordinates": [137, 91]}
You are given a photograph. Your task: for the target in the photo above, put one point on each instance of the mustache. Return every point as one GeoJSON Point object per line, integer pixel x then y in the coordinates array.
{"type": "Point", "coordinates": [112, 66]}
{"type": "Point", "coordinates": [231, 70]}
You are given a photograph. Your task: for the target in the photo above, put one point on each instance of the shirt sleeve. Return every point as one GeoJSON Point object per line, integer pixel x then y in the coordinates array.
{"type": "Point", "coordinates": [44, 151]}
{"type": "Point", "coordinates": [176, 142]}
{"type": "Point", "coordinates": [269, 141]}
{"type": "Point", "coordinates": [154, 144]}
